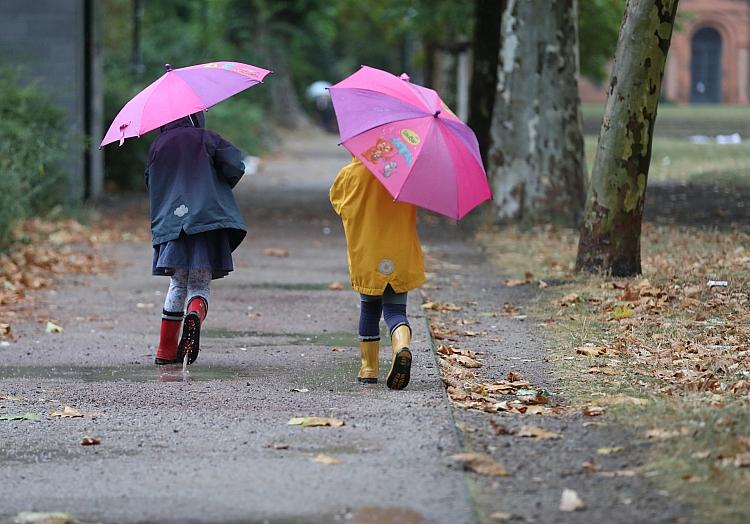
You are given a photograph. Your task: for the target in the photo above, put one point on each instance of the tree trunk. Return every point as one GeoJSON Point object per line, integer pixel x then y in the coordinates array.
{"type": "Point", "coordinates": [610, 239]}
{"type": "Point", "coordinates": [485, 48]}
{"type": "Point", "coordinates": [536, 160]}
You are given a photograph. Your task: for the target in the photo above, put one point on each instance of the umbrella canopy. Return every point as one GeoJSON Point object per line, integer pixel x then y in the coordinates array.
{"type": "Point", "coordinates": [411, 141]}
{"type": "Point", "coordinates": [181, 92]}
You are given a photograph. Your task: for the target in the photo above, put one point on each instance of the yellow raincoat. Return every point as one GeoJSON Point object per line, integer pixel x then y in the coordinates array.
{"type": "Point", "coordinates": [381, 235]}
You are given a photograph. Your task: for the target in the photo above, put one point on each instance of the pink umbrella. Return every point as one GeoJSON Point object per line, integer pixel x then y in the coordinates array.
{"type": "Point", "coordinates": [408, 138]}
{"type": "Point", "coordinates": [181, 92]}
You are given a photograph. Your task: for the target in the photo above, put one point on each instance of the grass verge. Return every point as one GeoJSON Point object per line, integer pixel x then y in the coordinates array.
{"type": "Point", "coordinates": [667, 338]}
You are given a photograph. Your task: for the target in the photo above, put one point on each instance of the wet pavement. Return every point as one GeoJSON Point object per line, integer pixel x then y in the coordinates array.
{"type": "Point", "coordinates": [213, 445]}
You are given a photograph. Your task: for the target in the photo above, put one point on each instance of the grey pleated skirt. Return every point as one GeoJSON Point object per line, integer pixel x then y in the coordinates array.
{"type": "Point", "coordinates": [209, 250]}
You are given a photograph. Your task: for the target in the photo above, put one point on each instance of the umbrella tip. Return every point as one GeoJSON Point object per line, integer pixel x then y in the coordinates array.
{"type": "Point", "coordinates": [167, 67]}
{"type": "Point", "coordinates": [405, 77]}
{"type": "Point", "coordinates": [436, 113]}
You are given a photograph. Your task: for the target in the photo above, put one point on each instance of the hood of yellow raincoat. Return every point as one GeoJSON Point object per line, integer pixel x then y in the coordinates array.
{"type": "Point", "coordinates": [381, 235]}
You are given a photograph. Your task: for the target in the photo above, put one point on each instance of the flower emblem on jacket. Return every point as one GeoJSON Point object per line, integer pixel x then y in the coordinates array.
{"type": "Point", "coordinates": [181, 211]}
{"type": "Point", "coordinates": [386, 266]}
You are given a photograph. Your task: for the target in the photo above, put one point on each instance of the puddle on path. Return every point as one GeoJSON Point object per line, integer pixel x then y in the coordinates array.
{"type": "Point", "coordinates": [125, 373]}
{"type": "Point", "coordinates": [344, 338]}
{"type": "Point", "coordinates": [291, 286]}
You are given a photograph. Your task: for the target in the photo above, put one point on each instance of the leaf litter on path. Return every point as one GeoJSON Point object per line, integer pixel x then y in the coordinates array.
{"type": "Point", "coordinates": [537, 432]}
{"type": "Point", "coordinates": [21, 416]}
{"type": "Point", "coordinates": [326, 459]}
{"type": "Point", "coordinates": [480, 463]}
{"type": "Point", "coordinates": [308, 422]}
{"type": "Point", "coordinates": [570, 501]}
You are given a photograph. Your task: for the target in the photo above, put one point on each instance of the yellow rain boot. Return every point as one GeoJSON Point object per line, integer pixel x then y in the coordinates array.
{"type": "Point", "coordinates": [370, 352]}
{"type": "Point", "coordinates": [398, 375]}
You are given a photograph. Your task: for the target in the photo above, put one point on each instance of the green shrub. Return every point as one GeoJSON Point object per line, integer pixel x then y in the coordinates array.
{"type": "Point", "coordinates": [32, 146]}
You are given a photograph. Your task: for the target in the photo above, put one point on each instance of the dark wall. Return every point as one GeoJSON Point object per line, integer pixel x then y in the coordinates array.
{"type": "Point", "coordinates": [56, 43]}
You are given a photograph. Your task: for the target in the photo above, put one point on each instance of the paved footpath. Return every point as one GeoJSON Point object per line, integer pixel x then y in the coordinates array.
{"type": "Point", "coordinates": [205, 449]}
{"type": "Point", "coordinates": [215, 446]}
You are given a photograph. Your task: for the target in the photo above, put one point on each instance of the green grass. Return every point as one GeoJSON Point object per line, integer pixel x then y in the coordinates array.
{"type": "Point", "coordinates": [679, 160]}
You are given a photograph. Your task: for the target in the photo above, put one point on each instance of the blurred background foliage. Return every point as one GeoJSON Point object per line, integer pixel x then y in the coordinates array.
{"type": "Point", "coordinates": [33, 135]}
{"type": "Point", "coordinates": [302, 41]}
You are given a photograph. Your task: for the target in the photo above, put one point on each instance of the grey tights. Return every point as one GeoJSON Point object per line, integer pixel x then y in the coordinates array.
{"type": "Point", "coordinates": [185, 285]}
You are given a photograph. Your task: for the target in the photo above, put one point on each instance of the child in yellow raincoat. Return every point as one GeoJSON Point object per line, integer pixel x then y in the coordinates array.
{"type": "Point", "coordinates": [385, 262]}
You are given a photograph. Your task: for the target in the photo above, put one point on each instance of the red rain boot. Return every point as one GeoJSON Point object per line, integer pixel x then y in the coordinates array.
{"type": "Point", "coordinates": [191, 330]}
{"type": "Point", "coordinates": [166, 353]}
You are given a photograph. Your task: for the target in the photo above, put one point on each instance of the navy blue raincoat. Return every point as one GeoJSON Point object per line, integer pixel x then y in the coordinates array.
{"type": "Point", "coordinates": [190, 175]}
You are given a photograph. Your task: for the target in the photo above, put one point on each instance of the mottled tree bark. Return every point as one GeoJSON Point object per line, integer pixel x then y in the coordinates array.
{"type": "Point", "coordinates": [485, 49]}
{"type": "Point", "coordinates": [610, 239]}
{"type": "Point", "coordinates": [536, 160]}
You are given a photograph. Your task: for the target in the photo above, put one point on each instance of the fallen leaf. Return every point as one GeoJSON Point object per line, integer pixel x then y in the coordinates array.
{"type": "Point", "coordinates": [299, 390]}
{"type": "Point", "coordinates": [501, 516]}
{"type": "Point", "coordinates": [593, 411]}
{"type": "Point", "coordinates": [280, 445]}
{"type": "Point", "coordinates": [5, 330]}
{"type": "Point", "coordinates": [90, 441]}
{"type": "Point", "coordinates": [441, 306]}
{"type": "Point", "coordinates": [53, 328]}
{"type": "Point", "coordinates": [515, 282]}
{"type": "Point", "coordinates": [591, 351]}
{"type": "Point", "coordinates": [514, 377]}
{"type": "Point", "coordinates": [338, 350]}
{"type": "Point", "coordinates": [618, 473]}
{"type": "Point", "coordinates": [326, 459]}
{"type": "Point", "coordinates": [570, 501]}
{"type": "Point", "coordinates": [604, 370]}
{"type": "Point", "coordinates": [742, 460]}
{"type": "Point", "coordinates": [616, 400]}
{"type": "Point", "coordinates": [609, 450]}
{"type": "Point", "coordinates": [498, 428]}
{"type": "Point", "coordinates": [315, 422]}
{"type": "Point", "coordinates": [481, 464]}
{"type": "Point", "coordinates": [67, 412]}
{"type": "Point", "coordinates": [661, 434]}
{"type": "Point", "coordinates": [142, 305]}
{"type": "Point", "coordinates": [336, 286]}
{"type": "Point", "coordinates": [468, 362]}
{"type": "Point", "coordinates": [570, 298]}
{"type": "Point", "coordinates": [589, 466]}
{"type": "Point", "coordinates": [622, 312]}
{"type": "Point", "coordinates": [276, 252]}
{"type": "Point", "coordinates": [38, 517]}
{"type": "Point", "coordinates": [8, 396]}
{"type": "Point", "coordinates": [21, 416]}
{"type": "Point", "coordinates": [536, 432]}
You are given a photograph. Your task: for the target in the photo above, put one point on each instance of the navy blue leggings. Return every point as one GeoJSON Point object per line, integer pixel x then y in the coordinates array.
{"type": "Point", "coordinates": [391, 305]}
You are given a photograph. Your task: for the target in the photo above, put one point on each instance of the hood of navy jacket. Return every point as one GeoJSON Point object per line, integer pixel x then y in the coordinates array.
{"type": "Point", "coordinates": [190, 175]}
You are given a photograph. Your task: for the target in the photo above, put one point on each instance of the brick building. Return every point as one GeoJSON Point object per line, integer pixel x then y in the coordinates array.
{"type": "Point", "coordinates": [709, 58]}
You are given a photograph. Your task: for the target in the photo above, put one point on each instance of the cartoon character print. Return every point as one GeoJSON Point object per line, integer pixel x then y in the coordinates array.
{"type": "Point", "coordinates": [381, 150]}
{"type": "Point", "coordinates": [389, 168]}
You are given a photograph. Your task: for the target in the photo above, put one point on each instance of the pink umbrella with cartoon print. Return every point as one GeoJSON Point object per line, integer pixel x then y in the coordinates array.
{"type": "Point", "coordinates": [408, 138]}
{"type": "Point", "coordinates": [181, 92]}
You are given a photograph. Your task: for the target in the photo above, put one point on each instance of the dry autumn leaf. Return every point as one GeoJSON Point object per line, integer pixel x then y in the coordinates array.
{"type": "Point", "coordinates": [570, 298]}
{"type": "Point", "coordinates": [593, 411]}
{"type": "Point", "coordinates": [609, 450]}
{"type": "Point", "coordinates": [537, 432]}
{"type": "Point", "coordinates": [53, 328]}
{"type": "Point", "coordinates": [591, 351]}
{"type": "Point", "coordinates": [276, 252]}
{"type": "Point", "coordinates": [90, 441]}
{"type": "Point", "coordinates": [67, 412]}
{"type": "Point", "coordinates": [326, 459]}
{"type": "Point", "coordinates": [570, 501]}
{"type": "Point", "coordinates": [315, 422]}
{"type": "Point", "coordinates": [481, 464]}
{"type": "Point", "coordinates": [468, 362]}
{"type": "Point", "coordinates": [336, 286]}
{"type": "Point", "coordinates": [441, 306]}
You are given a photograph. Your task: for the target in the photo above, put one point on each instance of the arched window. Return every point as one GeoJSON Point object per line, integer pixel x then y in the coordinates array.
{"type": "Point", "coordinates": [705, 67]}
